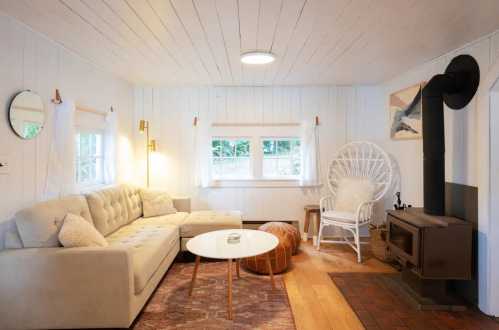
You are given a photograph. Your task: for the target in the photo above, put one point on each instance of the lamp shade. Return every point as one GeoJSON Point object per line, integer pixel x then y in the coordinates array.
{"type": "Point", "coordinates": [142, 125]}
{"type": "Point", "coordinates": [152, 145]}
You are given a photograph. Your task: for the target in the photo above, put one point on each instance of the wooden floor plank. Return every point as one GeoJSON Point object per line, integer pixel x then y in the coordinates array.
{"type": "Point", "coordinates": [315, 300]}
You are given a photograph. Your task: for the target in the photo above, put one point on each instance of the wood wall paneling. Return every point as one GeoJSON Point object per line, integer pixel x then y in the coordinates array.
{"type": "Point", "coordinates": [31, 61]}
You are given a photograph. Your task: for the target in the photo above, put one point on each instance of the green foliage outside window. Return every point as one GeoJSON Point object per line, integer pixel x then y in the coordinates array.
{"type": "Point", "coordinates": [31, 130]}
{"type": "Point", "coordinates": [230, 148]}
{"type": "Point", "coordinates": [282, 156]}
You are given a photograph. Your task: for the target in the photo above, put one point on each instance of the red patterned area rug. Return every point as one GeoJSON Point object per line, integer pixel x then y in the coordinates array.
{"type": "Point", "coordinates": [255, 304]}
{"type": "Point", "coordinates": [378, 305]}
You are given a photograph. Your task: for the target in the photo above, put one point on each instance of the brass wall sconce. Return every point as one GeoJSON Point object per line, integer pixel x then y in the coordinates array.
{"type": "Point", "coordinates": [151, 144]}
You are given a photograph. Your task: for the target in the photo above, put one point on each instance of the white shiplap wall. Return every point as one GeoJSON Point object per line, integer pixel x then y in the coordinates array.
{"type": "Point", "coordinates": [171, 112]}
{"type": "Point", "coordinates": [30, 61]}
{"type": "Point", "coordinates": [461, 142]}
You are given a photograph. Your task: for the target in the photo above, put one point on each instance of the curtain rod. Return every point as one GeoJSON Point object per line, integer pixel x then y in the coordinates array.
{"type": "Point", "coordinates": [27, 109]}
{"type": "Point", "coordinates": [95, 112]}
{"type": "Point", "coordinates": [58, 100]}
{"type": "Point", "coordinates": [195, 123]}
{"type": "Point", "coordinates": [254, 124]}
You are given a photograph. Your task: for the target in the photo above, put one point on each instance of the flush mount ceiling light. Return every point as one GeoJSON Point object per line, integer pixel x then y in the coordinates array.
{"type": "Point", "coordinates": [257, 57]}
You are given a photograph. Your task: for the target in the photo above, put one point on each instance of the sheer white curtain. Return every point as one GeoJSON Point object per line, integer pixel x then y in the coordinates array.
{"type": "Point", "coordinates": [110, 136]}
{"type": "Point", "coordinates": [202, 153]}
{"type": "Point", "coordinates": [60, 179]}
{"type": "Point", "coordinates": [310, 154]}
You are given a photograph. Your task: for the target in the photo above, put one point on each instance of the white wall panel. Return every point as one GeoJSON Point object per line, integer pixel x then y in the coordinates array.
{"type": "Point", "coordinates": [175, 109]}
{"type": "Point", "coordinates": [31, 61]}
{"type": "Point", "coordinates": [462, 163]}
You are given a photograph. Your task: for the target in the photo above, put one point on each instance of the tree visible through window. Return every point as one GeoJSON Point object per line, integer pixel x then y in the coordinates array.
{"type": "Point", "coordinates": [89, 158]}
{"type": "Point", "coordinates": [31, 129]}
{"type": "Point", "coordinates": [281, 157]}
{"type": "Point", "coordinates": [231, 158]}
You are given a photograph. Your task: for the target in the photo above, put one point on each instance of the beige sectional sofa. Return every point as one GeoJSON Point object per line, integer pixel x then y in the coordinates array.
{"type": "Point", "coordinates": [46, 286]}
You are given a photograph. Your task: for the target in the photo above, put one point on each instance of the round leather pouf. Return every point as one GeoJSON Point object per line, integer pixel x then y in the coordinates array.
{"type": "Point", "coordinates": [280, 257]}
{"type": "Point", "coordinates": [284, 229]}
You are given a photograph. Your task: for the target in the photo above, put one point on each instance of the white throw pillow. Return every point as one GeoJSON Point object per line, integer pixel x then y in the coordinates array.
{"type": "Point", "coordinates": [156, 203]}
{"type": "Point", "coordinates": [353, 191]}
{"type": "Point", "coordinates": [77, 232]}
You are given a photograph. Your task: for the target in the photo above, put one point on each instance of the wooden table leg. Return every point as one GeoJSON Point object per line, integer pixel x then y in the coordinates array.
{"type": "Point", "coordinates": [269, 266]}
{"type": "Point", "coordinates": [229, 284]}
{"type": "Point", "coordinates": [317, 218]}
{"type": "Point", "coordinates": [198, 258]}
{"type": "Point", "coordinates": [238, 263]}
{"type": "Point", "coordinates": [306, 225]}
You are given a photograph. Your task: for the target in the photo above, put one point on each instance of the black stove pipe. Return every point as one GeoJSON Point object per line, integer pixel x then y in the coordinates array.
{"type": "Point", "coordinates": [456, 87]}
{"type": "Point", "coordinates": [434, 142]}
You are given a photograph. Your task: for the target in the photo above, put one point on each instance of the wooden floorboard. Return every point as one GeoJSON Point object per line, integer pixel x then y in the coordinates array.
{"type": "Point", "coordinates": [314, 298]}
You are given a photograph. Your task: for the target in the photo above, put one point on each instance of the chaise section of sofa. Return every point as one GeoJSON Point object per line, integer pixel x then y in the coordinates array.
{"type": "Point", "coordinates": [51, 288]}
{"type": "Point", "coordinates": [47, 286]}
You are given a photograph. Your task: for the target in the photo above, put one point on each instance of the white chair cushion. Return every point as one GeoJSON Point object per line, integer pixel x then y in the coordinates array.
{"type": "Point", "coordinates": [339, 216]}
{"type": "Point", "coordinates": [353, 191]}
{"type": "Point", "coordinates": [77, 232]}
{"type": "Point", "coordinates": [156, 203]}
{"type": "Point", "coordinates": [149, 245]}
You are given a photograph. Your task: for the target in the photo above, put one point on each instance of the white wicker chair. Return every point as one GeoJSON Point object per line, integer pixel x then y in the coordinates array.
{"type": "Point", "coordinates": [359, 160]}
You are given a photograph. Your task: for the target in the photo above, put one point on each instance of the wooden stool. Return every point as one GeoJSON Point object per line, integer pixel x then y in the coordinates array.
{"type": "Point", "coordinates": [309, 210]}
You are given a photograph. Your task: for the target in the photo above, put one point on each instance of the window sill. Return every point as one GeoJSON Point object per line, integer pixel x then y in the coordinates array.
{"type": "Point", "coordinates": [261, 183]}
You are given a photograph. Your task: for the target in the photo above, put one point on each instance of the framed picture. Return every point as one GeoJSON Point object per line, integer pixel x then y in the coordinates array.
{"type": "Point", "coordinates": [406, 109]}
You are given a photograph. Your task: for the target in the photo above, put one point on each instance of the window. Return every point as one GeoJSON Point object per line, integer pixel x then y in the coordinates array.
{"type": "Point", "coordinates": [231, 158]}
{"type": "Point", "coordinates": [281, 157]}
{"type": "Point", "coordinates": [89, 158]}
{"type": "Point", "coordinates": [256, 158]}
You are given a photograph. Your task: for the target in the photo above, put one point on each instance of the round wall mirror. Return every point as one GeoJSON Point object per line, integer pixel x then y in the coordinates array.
{"type": "Point", "coordinates": [27, 114]}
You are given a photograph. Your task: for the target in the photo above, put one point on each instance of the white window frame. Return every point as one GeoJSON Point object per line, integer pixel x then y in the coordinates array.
{"type": "Point", "coordinates": [280, 138]}
{"type": "Point", "coordinates": [83, 186]}
{"type": "Point", "coordinates": [250, 158]}
{"type": "Point", "coordinates": [256, 134]}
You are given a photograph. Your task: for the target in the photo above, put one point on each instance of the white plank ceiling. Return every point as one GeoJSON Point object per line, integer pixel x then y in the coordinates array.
{"type": "Point", "coordinates": [199, 42]}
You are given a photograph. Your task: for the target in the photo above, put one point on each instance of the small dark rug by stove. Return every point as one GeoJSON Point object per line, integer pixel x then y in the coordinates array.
{"type": "Point", "coordinates": [255, 304]}
{"type": "Point", "coordinates": [378, 305]}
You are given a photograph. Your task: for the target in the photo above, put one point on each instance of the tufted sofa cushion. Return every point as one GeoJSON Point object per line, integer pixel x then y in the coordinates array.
{"type": "Point", "coordinates": [133, 201]}
{"type": "Point", "coordinates": [176, 219]}
{"type": "Point", "coordinates": [149, 245]}
{"type": "Point", "coordinates": [38, 226]}
{"type": "Point", "coordinates": [199, 222]}
{"type": "Point", "coordinates": [109, 209]}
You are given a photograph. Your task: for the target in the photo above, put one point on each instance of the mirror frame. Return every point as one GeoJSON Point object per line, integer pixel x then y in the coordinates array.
{"type": "Point", "coordinates": [9, 114]}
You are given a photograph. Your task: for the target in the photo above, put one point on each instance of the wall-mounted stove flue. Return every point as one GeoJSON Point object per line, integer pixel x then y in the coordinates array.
{"type": "Point", "coordinates": [456, 87]}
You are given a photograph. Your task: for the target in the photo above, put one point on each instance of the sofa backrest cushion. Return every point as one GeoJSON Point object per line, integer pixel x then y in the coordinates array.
{"type": "Point", "coordinates": [12, 240]}
{"type": "Point", "coordinates": [109, 209]}
{"type": "Point", "coordinates": [133, 201]}
{"type": "Point", "coordinates": [39, 225]}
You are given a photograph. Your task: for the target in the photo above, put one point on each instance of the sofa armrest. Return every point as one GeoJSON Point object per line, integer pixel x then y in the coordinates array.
{"type": "Point", "coordinates": [65, 287]}
{"type": "Point", "coordinates": [182, 204]}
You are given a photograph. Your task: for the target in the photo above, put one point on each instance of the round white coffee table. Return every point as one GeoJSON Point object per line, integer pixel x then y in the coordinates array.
{"type": "Point", "coordinates": [215, 245]}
